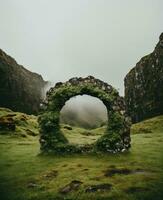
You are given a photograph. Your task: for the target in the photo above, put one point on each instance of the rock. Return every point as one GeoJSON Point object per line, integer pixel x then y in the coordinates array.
{"type": "Point", "coordinates": [32, 185]}
{"type": "Point", "coordinates": [134, 189]}
{"type": "Point", "coordinates": [122, 171]}
{"type": "Point", "coordinates": [7, 123]}
{"type": "Point", "coordinates": [85, 169]}
{"type": "Point", "coordinates": [68, 127]}
{"type": "Point", "coordinates": [20, 89]}
{"type": "Point", "coordinates": [114, 171]}
{"type": "Point", "coordinates": [143, 86]}
{"type": "Point", "coordinates": [50, 175]}
{"type": "Point", "coordinates": [99, 188]}
{"type": "Point", "coordinates": [30, 132]}
{"type": "Point", "coordinates": [73, 186]}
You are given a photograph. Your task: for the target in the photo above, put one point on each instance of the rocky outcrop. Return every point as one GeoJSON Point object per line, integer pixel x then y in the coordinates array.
{"type": "Point", "coordinates": [144, 86]}
{"type": "Point", "coordinates": [20, 89]}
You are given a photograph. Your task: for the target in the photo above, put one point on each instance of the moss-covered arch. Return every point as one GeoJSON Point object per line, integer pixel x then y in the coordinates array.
{"type": "Point", "coordinates": [117, 135]}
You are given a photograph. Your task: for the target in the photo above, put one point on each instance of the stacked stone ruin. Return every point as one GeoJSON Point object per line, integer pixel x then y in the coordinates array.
{"type": "Point", "coordinates": [117, 135]}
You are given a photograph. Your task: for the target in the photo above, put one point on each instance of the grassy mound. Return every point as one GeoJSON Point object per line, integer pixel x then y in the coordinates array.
{"type": "Point", "coordinates": [135, 175]}
{"type": "Point", "coordinates": [148, 126]}
{"type": "Point", "coordinates": [17, 124]}
{"type": "Point", "coordinates": [77, 135]}
{"type": "Point", "coordinates": [27, 125]}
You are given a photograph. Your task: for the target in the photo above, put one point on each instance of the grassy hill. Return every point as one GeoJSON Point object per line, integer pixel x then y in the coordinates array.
{"type": "Point", "coordinates": [27, 175]}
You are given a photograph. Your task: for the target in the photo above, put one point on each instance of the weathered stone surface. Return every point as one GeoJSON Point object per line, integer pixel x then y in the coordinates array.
{"type": "Point", "coordinates": [20, 89]}
{"type": "Point", "coordinates": [99, 188]}
{"type": "Point", "coordinates": [144, 86]}
{"type": "Point", "coordinates": [117, 136]}
{"type": "Point", "coordinates": [7, 123]}
{"type": "Point", "coordinates": [73, 186]}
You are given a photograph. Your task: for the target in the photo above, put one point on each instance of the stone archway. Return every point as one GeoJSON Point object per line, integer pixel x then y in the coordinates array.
{"type": "Point", "coordinates": [117, 135]}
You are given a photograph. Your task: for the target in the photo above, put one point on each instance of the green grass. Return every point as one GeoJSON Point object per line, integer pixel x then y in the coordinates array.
{"type": "Point", "coordinates": [80, 135]}
{"type": "Point", "coordinates": [26, 125]}
{"type": "Point", "coordinates": [27, 175]}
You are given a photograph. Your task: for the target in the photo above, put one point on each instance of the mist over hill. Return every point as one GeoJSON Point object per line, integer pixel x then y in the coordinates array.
{"type": "Point", "coordinates": [84, 111]}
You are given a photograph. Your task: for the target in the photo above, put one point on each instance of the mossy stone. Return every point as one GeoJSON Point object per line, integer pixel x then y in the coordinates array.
{"type": "Point", "coordinates": [117, 135]}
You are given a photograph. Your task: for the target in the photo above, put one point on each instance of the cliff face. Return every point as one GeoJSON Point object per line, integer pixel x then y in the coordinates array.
{"type": "Point", "coordinates": [20, 89]}
{"type": "Point", "coordinates": [144, 86]}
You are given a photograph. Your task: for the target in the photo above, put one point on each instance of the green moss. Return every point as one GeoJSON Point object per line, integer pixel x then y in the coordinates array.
{"type": "Point", "coordinates": [117, 123]}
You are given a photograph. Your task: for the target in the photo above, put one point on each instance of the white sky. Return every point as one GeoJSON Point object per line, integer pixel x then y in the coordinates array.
{"type": "Point", "coordinates": [61, 39]}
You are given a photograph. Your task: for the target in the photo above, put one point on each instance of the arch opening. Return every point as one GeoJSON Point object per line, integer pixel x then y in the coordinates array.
{"type": "Point", "coordinates": [117, 134]}
{"type": "Point", "coordinates": [83, 119]}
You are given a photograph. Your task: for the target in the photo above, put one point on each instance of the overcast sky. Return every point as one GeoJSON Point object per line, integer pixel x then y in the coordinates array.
{"type": "Point", "coordinates": [61, 39]}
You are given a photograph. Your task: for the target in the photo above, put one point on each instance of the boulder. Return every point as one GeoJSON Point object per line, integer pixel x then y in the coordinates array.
{"type": "Point", "coordinates": [7, 123]}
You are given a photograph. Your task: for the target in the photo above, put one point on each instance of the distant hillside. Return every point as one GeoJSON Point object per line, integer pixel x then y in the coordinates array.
{"type": "Point", "coordinates": [20, 89]}
{"type": "Point", "coordinates": [84, 111]}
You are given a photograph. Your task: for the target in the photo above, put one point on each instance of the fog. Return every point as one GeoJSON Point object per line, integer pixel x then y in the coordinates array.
{"type": "Point", "coordinates": [61, 39]}
{"type": "Point", "coordinates": [84, 111]}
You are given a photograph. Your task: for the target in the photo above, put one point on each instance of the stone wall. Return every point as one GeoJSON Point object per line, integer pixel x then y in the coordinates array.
{"type": "Point", "coordinates": [117, 135]}
{"type": "Point", "coordinates": [144, 86]}
{"type": "Point", "coordinates": [20, 89]}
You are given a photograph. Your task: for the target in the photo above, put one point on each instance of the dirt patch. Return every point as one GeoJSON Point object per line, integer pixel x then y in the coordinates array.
{"type": "Point", "coordinates": [32, 133]}
{"type": "Point", "coordinates": [24, 118]}
{"type": "Point", "coordinates": [73, 186]}
{"type": "Point", "coordinates": [122, 171]}
{"type": "Point", "coordinates": [114, 171]}
{"type": "Point", "coordinates": [99, 188]}
{"type": "Point", "coordinates": [133, 189]}
{"type": "Point", "coordinates": [79, 165]}
{"type": "Point", "coordinates": [50, 175]}
{"type": "Point", "coordinates": [85, 169]}
{"type": "Point", "coordinates": [7, 123]}
{"type": "Point", "coordinates": [11, 115]}
{"type": "Point", "coordinates": [65, 165]}
{"type": "Point", "coordinates": [86, 133]}
{"type": "Point", "coordinates": [67, 127]}
{"type": "Point", "coordinates": [71, 168]}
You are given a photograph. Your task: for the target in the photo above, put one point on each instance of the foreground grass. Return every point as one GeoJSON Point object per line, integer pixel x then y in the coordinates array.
{"type": "Point", "coordinates": [135, 175]}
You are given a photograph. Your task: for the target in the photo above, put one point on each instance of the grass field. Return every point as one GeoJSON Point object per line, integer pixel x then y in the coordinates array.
{"type": "Point", "coordinates": [134, 175]}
